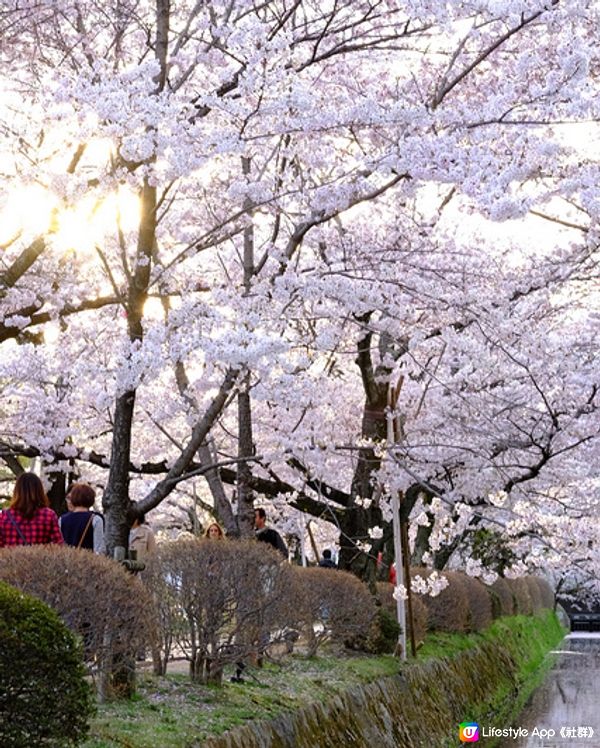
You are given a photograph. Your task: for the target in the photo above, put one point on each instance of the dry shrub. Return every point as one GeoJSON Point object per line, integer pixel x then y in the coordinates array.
{"type": "Point", "coordinates": [220, 601]}
{"type": "Point", "coordinates": [546, 592]}
{"type": "Point", "coordinates": [336, 606]}
{"type": "Point", "coordinates": [385, 592]}
{"type": "Point", "coordinates": [503, 603]}
{"type": "Point", "coordinates": [420, 619]}
{"type": "Point", "coordinates": [480, 603]}
{"type": "Point", "coordinates": [101, 602]}
{"type": "Point", "coordinates": [520, 590]}
{"type": "Point", "coordinates": [167, 614]}
{"type": "Point", "coordinates": [448, 611]}
{"type": "Point", "coordinates": [420, 613]}
{"type": "Point", "coordinates": [534, 593]}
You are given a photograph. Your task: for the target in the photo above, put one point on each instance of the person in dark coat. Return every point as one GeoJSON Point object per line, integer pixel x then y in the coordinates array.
{"type": "Point", "coordinates": [82, 527]}
{"type": "Point", "coordinates": [327, 562]}
{"type": "Point", "coordinates": [268, 535]}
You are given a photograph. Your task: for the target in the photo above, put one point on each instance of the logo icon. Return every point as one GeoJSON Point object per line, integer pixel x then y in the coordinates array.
{"type": "Point", "coordinates": [468, 732]}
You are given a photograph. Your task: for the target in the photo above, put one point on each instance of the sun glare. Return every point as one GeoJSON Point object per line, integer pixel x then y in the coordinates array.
{"type": "Point", "coordinates": [27, 209]}
{"type": "Point", "coordinates": [153, 309]}
{"type": "Point", "coordinates": [51, 333]}
{"type": "Point", "coordinates": [34, 211]}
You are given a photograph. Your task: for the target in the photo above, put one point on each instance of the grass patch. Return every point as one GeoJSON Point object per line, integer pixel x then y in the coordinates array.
{"type": "Point", "coordinates": [172, 712]}
{"type": "Point", "coordinates": [531, 639]}
{"type": "Point", "coordinates": [528, 640]}
{"type": "Point", "coordinates": [445, 645]}
{"type": "Point", "coordinates": [546, 627]}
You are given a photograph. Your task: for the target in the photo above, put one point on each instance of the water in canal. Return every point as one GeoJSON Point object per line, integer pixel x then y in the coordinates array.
{"type": "Point", "coordinates": [565, 710]}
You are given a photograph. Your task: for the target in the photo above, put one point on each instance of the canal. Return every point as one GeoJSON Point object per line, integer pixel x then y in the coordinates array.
{"type": "Point", "coordinates": [564, 712]}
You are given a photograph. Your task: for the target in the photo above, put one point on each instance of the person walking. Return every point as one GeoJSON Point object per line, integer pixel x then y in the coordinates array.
{"type": "Point", "coordinates": [29, 519]}
{"type": "Point", "coordinates": [82, 527]}
{"type": "Point", "coordinates": [141, 539]}
{"type": "Point", "coordinates": [268, 535]}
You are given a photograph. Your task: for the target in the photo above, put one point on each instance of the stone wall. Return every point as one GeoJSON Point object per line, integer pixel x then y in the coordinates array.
{"type": "Point", "coordinates": [421, 707]}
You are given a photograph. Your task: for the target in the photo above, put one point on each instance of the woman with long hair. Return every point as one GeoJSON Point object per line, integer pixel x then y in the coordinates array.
{"type": "Point", "coordinates": [214, 532]}
{"type": "Point", "coordinates": [29, 519]}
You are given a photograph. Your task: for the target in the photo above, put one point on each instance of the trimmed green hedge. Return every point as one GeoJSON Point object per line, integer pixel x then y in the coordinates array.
{"type": "Point", "coordinates": [44, 698]}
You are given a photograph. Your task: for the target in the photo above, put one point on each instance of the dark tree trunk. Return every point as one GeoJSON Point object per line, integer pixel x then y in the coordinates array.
{"type": "Point", "coordinates": [354, 527]}
{"type": "Point", "coordinates": [245, 494]}
{"type": "Point", "coordinates": [357, 520]}
{"type": "Point", "coordinates": [116, 495]}
{"type": "Point", "coordinates": [57, 491]}
{"type": "Point", "coordinates": [222, 504]}
{"type": "Point", "coordinates": [387, 554]}
{"type": "Point", "coordinates": [60, 482]}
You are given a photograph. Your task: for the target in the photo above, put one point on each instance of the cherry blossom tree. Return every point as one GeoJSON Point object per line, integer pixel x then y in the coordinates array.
{"type": "Point", "coordinates": [247, 220]}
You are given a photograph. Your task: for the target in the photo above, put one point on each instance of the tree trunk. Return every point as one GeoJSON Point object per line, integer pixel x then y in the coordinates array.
{"type": "Point", "coordinates": [57, 491]}
{"type": "Point", "coordinates": [222, 504]}
{"type": "Point", "coordinates": [356, 520]}
{"type": "Point", "coordinates": [245, 494]}
{"type": "Point", "coordinates": [116, 495]}
{"type": "Point", "coordinates": [207, 455]}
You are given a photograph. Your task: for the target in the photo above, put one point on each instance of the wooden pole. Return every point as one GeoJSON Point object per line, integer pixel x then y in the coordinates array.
{"type": "Point", "coordinates": [406, 562]}
{"type": "Point", "coordinates": [302, 528]}
{"type": "Point", "coordinates": [312, 541]}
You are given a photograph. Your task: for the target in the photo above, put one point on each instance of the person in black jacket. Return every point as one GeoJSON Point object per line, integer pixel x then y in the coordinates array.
{"type": "Point", "coordinates": [82, 527]}
{"type": "Point", "coordinates": [267, 534]}
{"type": "Point", "coordinates": [327, 562]}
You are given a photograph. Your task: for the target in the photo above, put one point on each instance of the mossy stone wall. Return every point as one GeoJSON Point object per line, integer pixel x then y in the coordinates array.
{"type": "Point", "coordinates": [422, 706]}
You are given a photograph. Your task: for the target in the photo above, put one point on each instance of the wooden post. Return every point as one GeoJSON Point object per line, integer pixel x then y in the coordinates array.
{"type": "Point", "coordinates": [301, 534]}
{"type": "Point", "coordinates": [312, 541]}
{"type": "Point", "coordinates": [406, 562]}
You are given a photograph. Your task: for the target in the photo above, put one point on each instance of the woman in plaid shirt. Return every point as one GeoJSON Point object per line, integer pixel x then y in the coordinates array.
{"type": "Point", "coordinates": [29, 519]}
